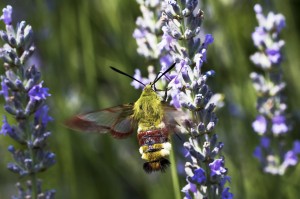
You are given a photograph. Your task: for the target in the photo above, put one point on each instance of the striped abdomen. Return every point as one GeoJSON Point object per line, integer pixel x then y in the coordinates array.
{"type": "Point", "coordinates": [154, 147]}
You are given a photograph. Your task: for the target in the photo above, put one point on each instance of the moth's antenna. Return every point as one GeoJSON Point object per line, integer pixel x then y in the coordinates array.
{"type": "Point", "coordinates": [123, 73]}
{"type": "Point", "coordinates": [170, 68]}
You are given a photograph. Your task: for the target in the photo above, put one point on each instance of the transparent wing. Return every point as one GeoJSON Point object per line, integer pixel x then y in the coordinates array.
{"type": "Point", "coordinates": [174, 118]}
{"type": "Point", "coordinates": [115, 120]}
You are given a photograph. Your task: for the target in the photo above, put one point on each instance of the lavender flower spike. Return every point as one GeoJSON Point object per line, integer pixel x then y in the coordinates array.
{"type": "Point", "coordinates": [180, 43]}
{"type": "Point", "coordinates": [25, 101]}
{"type": "Point", "coordinates": [6, 16]}
{"type": "Point", "coordinates": [271, 123]}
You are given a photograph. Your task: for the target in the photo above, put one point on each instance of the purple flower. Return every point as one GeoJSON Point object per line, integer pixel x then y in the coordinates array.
{"type": "Point", "coordinates": [271, 21]}
{"type": "Point", "coordinates": [290, 158]}
{"type": "Point", "coordinates": [199, 176]}
{"type": "Point", "coordinates": [166, 42]}
{"type": "Point", "coordinates": [175, 101]}
{"type": "Point", "coordinates": [4, 90]}
{"type": "Point", "coordinates": [6, 16]}
{"type": "Point", "coordinates": [258, 9]}
{"type": "Point", "coordinates": [200, 58]}
{"type": "Point", "coordinates": [21, 94]}
{"type": "Point", "coordinates": [279, 22]}
{"type": "Point", "coordinates": [259, 36]}
{"type": "Point", "coordinates": [265, 142]}
{"type": "Point", "coordinates": [260, 125]}
{"type": "Point", "coordinates": [41, 115]}
{"type": "Point", "coordinates": [279, 125]}
{"type": "Point", "coordinates": [258, 153]}
{"type": "Point", "coordinates": [272, 152]}
{"type": "Point", "coordinates": [224, 180]}
{"type": "Point", "coordinates": [209, 39]}
{"type": "Point", "coordinates": [166, 61]}
{"type": "Point", "coordinates": [273, 52]}
{"type": "Point", "coordinates": [217, 168]}
{"type": "Point", "coordinates": [190, 187]}
{"type": "Point", "coordinates": [6, 128]}
{"type": "Point", "coordinates": [180, 43]}
{"type": "Point", "coordinates": [261, 60]}
{"type": "Point", "coordinates": [226, 194]}
{"type": "Point", "coordinates": [37, 92]}
{"type": "Point", "coordinates": [187, 196]}
{"type": "Point", "coordinates": [27, 108]}
{"type": "Point", "coordinates": [137, 75]}
{"type": "Point", "coordinates": [296, 147]}
{"type": "Point", "coordinates": [139, 33]}
{"type": "Point", "coordinates": [265, 38]}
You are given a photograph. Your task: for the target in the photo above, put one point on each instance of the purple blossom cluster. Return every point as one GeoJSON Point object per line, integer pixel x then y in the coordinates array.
{"type": "Point", "coordinates": [24, 97]}
{"type": "Point", "coordinates": [271, 124]}
{"type": "Point", "coordinates": [266, 39]}
{"type": "Point", "coordinates": [180, 43]}
{"type": "Point", "coordinates": [147, 35]}
{"type": "Point", "coordinates": [148, 28]}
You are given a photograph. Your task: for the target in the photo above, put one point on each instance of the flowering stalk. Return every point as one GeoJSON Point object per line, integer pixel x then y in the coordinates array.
{"type": "Point", "coordinates": [180, 43]}
{"type": "Point", "coordinates": [24, 97]}
{"type": "Point", "coordinates": [271, 123]}
{"type": "Point", "coordinates": [148, 34]}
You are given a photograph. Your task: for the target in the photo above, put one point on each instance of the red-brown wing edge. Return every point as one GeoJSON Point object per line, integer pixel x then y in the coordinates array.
{"type": "Point", "coordinates": [80, 123]}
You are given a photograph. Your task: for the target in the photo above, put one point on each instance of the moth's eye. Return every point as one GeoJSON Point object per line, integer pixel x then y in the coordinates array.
{"type": "Point", "coordinates": [141, 107]}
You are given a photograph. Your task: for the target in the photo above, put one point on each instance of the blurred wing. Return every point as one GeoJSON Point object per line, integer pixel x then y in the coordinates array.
{"type": "Point", "coordinates": [115, 120]}
{"type": "Point", "coordinates": [174, 118]}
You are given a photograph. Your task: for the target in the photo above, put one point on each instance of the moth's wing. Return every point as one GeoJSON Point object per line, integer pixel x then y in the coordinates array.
{"type": "Point", "coordinates": [115, 120]}
{"type": "Point", "coordinates": [174, 118]}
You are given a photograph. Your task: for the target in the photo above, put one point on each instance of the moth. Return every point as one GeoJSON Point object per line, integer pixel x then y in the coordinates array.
{"type": "Point", "coordinates": [152, 118]}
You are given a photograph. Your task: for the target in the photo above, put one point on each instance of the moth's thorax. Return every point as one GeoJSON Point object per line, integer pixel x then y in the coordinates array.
{"type": "Point", "coordinates": [147, 110]}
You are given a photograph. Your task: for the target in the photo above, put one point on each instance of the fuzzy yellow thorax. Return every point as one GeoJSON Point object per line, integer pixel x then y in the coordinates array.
{"type": "Point", "coordinates": [147, 110]}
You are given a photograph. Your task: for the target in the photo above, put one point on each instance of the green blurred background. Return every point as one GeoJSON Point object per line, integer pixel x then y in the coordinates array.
{"type": "Point", "coordinates": [76, 42]}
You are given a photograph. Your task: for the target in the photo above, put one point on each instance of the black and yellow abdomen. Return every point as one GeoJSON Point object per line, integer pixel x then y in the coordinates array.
{"type": "Point", "coordinates": [154, 147]}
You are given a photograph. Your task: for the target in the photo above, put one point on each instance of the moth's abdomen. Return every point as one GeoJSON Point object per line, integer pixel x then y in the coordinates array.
{"type": "Point", "coordinates": [154, 147]}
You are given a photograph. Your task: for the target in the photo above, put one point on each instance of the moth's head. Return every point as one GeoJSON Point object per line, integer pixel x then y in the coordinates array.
{"type": "Point", "coordinates": [149, 89]}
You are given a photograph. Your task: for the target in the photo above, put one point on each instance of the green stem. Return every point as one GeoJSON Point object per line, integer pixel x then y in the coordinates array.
{"type": "Point", "coordinates": [34, 186]}
{"type": "Point", "coordinates": [209, 188]}
{"type": "Point", "coordinates": [33, 177]}
{"type": "Point", "coordinates": [31, 150]}
{"type": "Point", "coordinates": [175, 180]}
